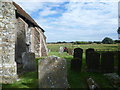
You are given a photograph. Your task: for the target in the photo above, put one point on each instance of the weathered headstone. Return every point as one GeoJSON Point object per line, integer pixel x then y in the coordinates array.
{"type": "Point", "coordinates": [89, 50]}
{"type": "Point", "coordinates": [28, 61]}
{"type": "Point", "coordinates": [53, 73]}
{"type": "Point", "coordinates": [70, 51]}
{"type": "Point", "coordinates": [49, 50]}
{"type": "Point", "coordinates": [61, 49]}
{"type": "Point", "coordinates": [93, 62]}
{"type": "Point", "coordinates": [76, 64]}
{"type": "Point", "coordinates": [78, 52]}
{"type": "Point", "coordinates": [107, 62]}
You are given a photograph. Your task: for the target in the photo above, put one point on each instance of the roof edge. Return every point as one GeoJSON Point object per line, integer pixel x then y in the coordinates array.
{"type": "Point", "coordinates": [26, 15]}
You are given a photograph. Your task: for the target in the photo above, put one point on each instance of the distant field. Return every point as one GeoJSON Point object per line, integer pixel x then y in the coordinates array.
{"type": "Point", "coordinates": [101, 47]}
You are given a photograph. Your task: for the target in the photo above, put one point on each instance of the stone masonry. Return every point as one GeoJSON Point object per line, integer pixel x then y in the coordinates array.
{"type": "Point", "coordinates": [19, 34]}
{"type": "Point", "coordinates": [7, 42]}
{"type": "Point", "coordinates": [20, 37]}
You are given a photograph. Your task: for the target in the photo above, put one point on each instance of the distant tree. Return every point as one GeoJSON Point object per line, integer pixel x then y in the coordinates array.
{"type": "Point", "coordinates": [116, 41]}
{"type": "Point", "coordinates": [64, 42]}
{"type": "Point", "coordinates": [59, 42]}
{"type": "Point", "coordinates": [90, 42]}
{"type": "Point", "coordinates": [97, 42]}
{"type": "Point", "coordinates": [82, 42]}
{"type": "Point", "coordinates": [72, 42]}
{"type": "Point", "coordinates": [107, 40]}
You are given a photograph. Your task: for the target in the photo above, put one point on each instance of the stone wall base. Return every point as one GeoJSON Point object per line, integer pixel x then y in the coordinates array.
{"type": "Point", "coordinates": [8, 73]}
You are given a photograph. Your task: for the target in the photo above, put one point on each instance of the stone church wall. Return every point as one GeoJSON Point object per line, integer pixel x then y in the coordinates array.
{"type": "Point", "coordinates": [21, 46]}
{"type": "Point", "coordinates": [17, 36]}
{"type": "Point", "coordinates": [7, 42]}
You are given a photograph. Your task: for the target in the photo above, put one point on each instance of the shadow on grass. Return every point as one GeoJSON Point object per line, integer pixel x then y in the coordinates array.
{"type": "Point", "coordinates": [78, 79]}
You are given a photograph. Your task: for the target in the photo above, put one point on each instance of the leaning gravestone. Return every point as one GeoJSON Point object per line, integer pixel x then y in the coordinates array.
{"type": "Point", "coordinates": [78, 53]}
{"type": "Point", "coordinates": [76, 64]}
{"type": "Point", "coordinates": [107, 62]}
{"type": "Point", "coordinates": [89, 50]}
{"type": "Point", "coordinates": [53, 72]}
{"type": "Point", "coordinates": [93, 62]}
{"type": "Point", "coordinates": [28, 61]}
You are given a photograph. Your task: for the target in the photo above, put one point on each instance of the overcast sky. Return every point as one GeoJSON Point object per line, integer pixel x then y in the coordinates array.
{"type": "Point", "coordinates": [74, 21]}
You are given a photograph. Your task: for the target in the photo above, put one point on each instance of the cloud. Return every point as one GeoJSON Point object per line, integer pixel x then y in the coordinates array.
{"type": "Point", "coordinates": [47, 12]}
{"type": "Point", "coordinates": [65, 0]}
{"type": "Point", "coordinates": [75, 20]}
{"type": "Point", "coordinates": [84, 22]}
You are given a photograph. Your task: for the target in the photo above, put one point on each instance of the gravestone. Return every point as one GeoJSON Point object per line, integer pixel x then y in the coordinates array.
{"type": "Point", "coordinates": [70, 51]}
{"type": "Point", "coordinates": [93, 62]}
{"type": "Point", "coordinates": [61, 49]}
{"type": "Point", "coordinates": [28, 61]}
{"type": "Point", "coordinates": [49, 50]}
{"type": "Point", "coordinates": [78, 53]}
{"type": "Point", "coordinates": [76, 64]}
{"type": "Point", "coordinates": [107, 62]}
{"type": "Point", "coordinates": [53, 72]}
{"type": "Point", "coordinates": [89, 50]}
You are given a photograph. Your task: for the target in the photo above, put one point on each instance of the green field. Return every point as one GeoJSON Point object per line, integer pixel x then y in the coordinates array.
{"type": "Point", "coordinates": [111, 47]}
{"type": "Point", "coordinates": [75, 79]}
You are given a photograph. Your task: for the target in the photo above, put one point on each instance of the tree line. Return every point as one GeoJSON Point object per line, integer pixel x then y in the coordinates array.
{"type": "Point", "coordinates": [106, 40]}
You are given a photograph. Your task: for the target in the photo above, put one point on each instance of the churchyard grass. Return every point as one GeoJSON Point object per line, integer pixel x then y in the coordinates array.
{"type": "Point", "coordinates": [27, 80]}
{"type": "Point", "coordinates": [98, 47]}
{"type": "Point", "coordinates": [75, 79]}
{"type": "Point", "coordinates": [78, 79]}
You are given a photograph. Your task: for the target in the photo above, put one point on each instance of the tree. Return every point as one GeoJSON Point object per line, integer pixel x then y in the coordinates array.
{"type": "Point", "coordinates": [107, 40]}
{"type": "Point", "coordinates": [116, 41]}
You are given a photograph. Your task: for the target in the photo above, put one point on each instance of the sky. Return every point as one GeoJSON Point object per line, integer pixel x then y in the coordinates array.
{"type": "Point", "coordinates": [67, 20]}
